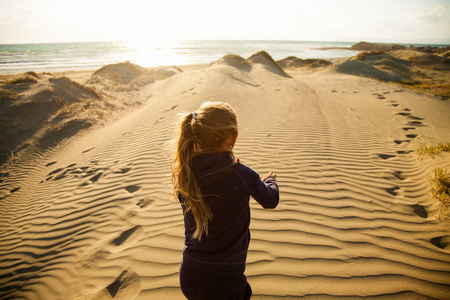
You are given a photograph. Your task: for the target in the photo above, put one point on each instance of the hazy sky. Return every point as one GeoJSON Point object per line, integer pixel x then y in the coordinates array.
{"type": "Point", "coordinates": [404, 21]}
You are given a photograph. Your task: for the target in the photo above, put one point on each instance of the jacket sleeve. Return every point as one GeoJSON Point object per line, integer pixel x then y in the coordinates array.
{"type": "Point", "coordinates": [264, 192]}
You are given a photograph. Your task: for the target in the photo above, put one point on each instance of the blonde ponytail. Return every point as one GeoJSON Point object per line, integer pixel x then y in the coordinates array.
{"type": "Point", "coordinates": [201, 131]}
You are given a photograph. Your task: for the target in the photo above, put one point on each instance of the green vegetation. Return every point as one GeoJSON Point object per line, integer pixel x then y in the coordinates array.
{"type": "Point", "coordinates": [432, 151]}
{"type": "Point", "coordinates": [440, 188]}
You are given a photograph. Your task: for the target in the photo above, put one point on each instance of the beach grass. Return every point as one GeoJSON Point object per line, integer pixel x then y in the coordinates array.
{"type": "Point", "coordinates": [440, 188]}
{"type": "Point", "coordinates": [7, 94]}
{"type": "Point", "coordinates": [26, 78]}
{"type": "Point", "coordinates": [433, 150]}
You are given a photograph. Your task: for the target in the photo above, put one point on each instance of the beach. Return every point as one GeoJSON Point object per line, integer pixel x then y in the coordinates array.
{"type": "Point", "coordinates": [87, 203]}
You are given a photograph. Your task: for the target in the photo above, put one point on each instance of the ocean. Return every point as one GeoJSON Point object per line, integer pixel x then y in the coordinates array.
{"type": "Point", "coordinates": [73, 56]}
{"type": "Point", "coordinates": [91, 56]}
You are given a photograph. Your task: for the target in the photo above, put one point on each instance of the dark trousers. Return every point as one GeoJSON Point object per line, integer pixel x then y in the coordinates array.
{"type": "Point", "coordinates": [197, 285]}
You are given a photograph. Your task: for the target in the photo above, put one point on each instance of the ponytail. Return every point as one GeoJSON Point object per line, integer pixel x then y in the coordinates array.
{"type": "Point", "coordinates": [200, 132]}
{"type": "Point", "coordinates": [184, 179]}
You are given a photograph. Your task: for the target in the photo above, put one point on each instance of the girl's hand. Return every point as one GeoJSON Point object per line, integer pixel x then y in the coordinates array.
{"type": "Point", "coordinates": [271, 175]}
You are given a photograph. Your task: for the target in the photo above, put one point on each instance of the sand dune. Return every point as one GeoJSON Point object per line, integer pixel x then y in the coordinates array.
{"type": "Point", "coordinates": [423, 72]}
{"type": "Point", "coordinates": [93, 217]}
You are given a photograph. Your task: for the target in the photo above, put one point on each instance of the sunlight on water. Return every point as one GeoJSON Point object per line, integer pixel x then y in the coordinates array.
{"type": "Point", "coordinates": [152, 53]}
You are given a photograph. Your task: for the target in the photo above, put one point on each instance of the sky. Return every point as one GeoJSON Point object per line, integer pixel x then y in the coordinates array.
{"type": "Point", "coordinates": [398, 21]}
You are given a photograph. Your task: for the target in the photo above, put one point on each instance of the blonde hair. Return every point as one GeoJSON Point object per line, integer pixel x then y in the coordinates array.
{"type": "Point", "coordinates": [203, 131]}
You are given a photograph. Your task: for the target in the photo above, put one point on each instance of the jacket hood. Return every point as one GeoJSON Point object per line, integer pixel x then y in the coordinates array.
{"type": "Point", "coordinates": [211, 167]}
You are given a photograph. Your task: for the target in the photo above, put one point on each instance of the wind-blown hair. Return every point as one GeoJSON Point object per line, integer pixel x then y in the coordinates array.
{"type": "Point", "coordinates": [203, 131]}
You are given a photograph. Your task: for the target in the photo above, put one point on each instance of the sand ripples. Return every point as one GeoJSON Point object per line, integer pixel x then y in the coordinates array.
{"type": "Point", "coordinates": [97, 220]}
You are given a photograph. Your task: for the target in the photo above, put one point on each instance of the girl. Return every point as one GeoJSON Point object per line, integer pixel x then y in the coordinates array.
{"type": "Point", "coordinates": [214, 192]}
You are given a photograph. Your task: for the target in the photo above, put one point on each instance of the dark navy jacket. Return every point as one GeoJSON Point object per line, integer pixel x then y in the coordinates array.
{"type": "Point", "coordinates": [226, 187]}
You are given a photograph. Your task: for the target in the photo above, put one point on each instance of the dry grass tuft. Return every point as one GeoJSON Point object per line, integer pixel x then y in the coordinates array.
{"type": "Point", "coordinates": [440, 189]}
{"type": "Point", "coordinates": [441, 90]}
{"type": "Point", "coordinates": [7, 94]}
{"type": "Point", "coordinates": [363, 55]}
{"type": "Point", "coordinates": [432, 151]}
{"type": "Point", "coordinates": [26, 78]}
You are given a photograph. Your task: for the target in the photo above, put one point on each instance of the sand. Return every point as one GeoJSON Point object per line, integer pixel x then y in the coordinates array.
{"type": "Point", "coordinates": [93, 217]}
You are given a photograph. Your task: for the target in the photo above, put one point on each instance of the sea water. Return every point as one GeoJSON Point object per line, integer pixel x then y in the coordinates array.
{"type": "Point", "coordinates": [72, 56]}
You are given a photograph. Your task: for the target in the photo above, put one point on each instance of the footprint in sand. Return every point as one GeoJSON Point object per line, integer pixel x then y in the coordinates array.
{"type": "Point", "coordinates": [126, 286]}
{"type": "Point", "coordinates": [125, 239]}
{"type": "Point", "coordinates": [405, 152]}
{"type": "Point", "coordinates": [146, 202]}
{"type": "Point", "coordinates": [386, 156]}
{"type": "Point", "coordinates": [95, 178]}
{"type": "Point", "coordinates": [415, 123]}
{"type": "Point", "coordinates": [419, 210]}
{"type": "Point", "coordinates": [125, 236]}
{"type": "Point", "coordinates": [399, 142]}
{"type": "Point", "coordinates": [110, 244]}
{"type": "Point", "coordinates": [399, 175]}
{"type": "Point", "coordinates": [439, 242]}
{"type": "Point", "coordinates": [415, 118]}
{"type": "Point", "coordinates": [91, 173]}
{"type": "Point", "coordinates": [411, 136]}
{"type": "Point", "coordinates": [133, 188]}
{"type": "Point", "coordinates": [408, 128]}
{"type": "Point", "coordinates": [393, 191]}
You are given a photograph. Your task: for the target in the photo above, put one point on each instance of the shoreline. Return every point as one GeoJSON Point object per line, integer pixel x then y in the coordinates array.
{"type": "Point", "coordinates": [151, 55]}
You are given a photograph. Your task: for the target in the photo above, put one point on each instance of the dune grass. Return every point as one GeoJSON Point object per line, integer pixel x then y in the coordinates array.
{"type": "Point", "coordinates": [433, 150]}
{"type": "Point", "coordinates": [439, 184]}
{"type": "Point", "coordinates": [7, 94]}
{"type": "Point", "coordinates": [430, 88]}
{"type": "Point", "coordinates": [440, 189]}
{"type": "Point", "coordinates": [26, 78]}
{"type": "Point", "coordinates": [362, 55]}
